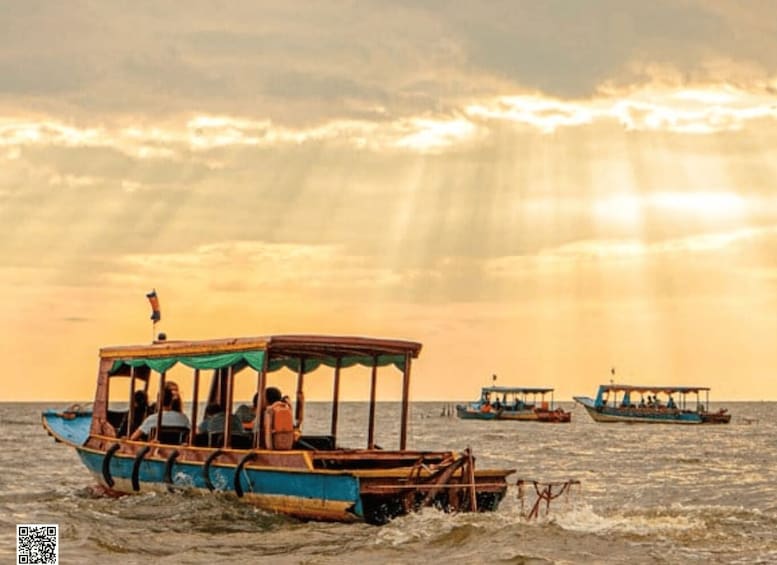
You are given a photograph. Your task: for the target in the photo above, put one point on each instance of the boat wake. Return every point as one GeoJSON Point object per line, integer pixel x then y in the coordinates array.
{"type": "Point", "coordinates": [583, 518]}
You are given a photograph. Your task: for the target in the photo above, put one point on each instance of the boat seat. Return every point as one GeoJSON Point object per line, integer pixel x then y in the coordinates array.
{"type": "Point", "coordinates": [216, 439]}
{"type": "Point", "coordinates": [174, 435]}
{"type": "Point", "coordinates": [315, 443]}
{"type": "Point", "coordinates": [117, 417]}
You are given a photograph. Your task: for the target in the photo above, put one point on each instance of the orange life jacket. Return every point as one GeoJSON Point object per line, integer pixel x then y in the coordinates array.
{"type": "Point", "coordinates": [279, 426]}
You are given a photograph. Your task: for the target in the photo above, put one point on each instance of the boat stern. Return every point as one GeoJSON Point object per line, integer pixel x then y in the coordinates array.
{"type": "Point", "coordinates": [446, 481]}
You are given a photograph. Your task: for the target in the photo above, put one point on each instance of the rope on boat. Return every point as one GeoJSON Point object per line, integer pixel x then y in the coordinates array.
{"type": "Point", "coordinates": [441, 478]}
{"type": "Point", "coordinates": [544, 491]}
{"type": "Point", "coordinates": [71, 411]}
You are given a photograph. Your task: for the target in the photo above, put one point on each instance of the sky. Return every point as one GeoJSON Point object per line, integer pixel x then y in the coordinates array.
{"type": "Point", "coordinates": [543, 191]}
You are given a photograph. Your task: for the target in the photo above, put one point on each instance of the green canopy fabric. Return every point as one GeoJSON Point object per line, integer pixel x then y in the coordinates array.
{"type": "Point", "coordinates": [253, 359]}
{"type": "Point", "coordinates": [293, 363]}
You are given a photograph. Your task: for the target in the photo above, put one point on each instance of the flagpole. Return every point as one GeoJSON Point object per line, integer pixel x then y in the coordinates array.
{"type": "Point", "coordinates": [155, 311]}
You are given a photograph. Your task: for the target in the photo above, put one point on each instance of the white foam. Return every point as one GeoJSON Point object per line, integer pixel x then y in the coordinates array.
{"type": "Point", "coordinates": [583, 518]}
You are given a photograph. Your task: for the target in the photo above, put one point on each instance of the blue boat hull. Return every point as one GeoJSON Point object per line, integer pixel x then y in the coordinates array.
{"type": "Point", "coordinates": [345, 486]}
{"type": "Point", "coordinates": [470, 414]}
{"type": "Point", "coordinates": [473, 412]}
{"type": "Point", "coordinates": [299, 493]}
{"type": "Point", "coordinates": [610, 414]}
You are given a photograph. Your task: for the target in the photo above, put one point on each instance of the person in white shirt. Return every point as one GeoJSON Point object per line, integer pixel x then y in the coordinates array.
{"type": "Point", "coordinates": [170, 418]}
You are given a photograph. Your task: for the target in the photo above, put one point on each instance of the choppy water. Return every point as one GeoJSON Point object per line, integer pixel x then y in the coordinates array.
{"type": "Point", "coordinates": [648, 494]}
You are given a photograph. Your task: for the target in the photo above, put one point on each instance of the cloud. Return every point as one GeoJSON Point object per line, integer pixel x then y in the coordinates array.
{"type": "Point", "coordinates": [696, 110]}
{"type": "Point", "coordinates": [246, 266]}
{"type": "Point", "coordinates": [322, 64]}
{"type": "Point", "coordinates": [596, 251]}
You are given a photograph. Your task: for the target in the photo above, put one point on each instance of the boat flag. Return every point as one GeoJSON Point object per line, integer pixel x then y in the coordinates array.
{"type": "Point", "coordinates": [493, 377]}
{"type": "Point", "coordinates": [156, 314]}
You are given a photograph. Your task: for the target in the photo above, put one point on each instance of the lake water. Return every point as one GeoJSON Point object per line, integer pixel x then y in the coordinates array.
{"type": "Point", "coordinates": [648, 494]}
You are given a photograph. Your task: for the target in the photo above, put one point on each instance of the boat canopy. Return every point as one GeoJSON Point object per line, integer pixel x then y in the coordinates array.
{"type": "Point", "coordinates": [652, 388]}
{"type": "Point", "coordinates": [515, 390]}
{"type": "Point", "coordinates": [300, 353]}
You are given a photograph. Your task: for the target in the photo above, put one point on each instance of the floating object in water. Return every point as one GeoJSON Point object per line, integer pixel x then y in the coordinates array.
{"type": "Point", "coordinates": [543, 491]}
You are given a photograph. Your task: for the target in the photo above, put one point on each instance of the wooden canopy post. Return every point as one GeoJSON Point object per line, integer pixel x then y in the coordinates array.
{"type": "Point", "coordinates": [160, 397]}
{"type": "Point", "coordinates": [131, 411]}
{"type": "Point", "coordinates": [228, 407]}
{"type": "Point", "coordinates": [261, 384]}
{"type": "Point", "coordinates": [335, 400]}
{"type": "Point", "coordinates": [405, 403]}
{"type": "Point", "coordinates": [298, 409]}
{"type": "Point", "coordinates": [195, 401]}
{"type": "Point", "coordinates": [373, 386]}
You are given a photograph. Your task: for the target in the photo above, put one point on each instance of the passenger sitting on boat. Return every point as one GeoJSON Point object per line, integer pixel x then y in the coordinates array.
{"type": "Point", "coordinates": [497, 404]}
{"type": "Point", "coordinates": [486, 406]}
{"type": "Point", "coordinates": [670, 403]}
{"type": "Point", "coordinates": [247, 414]}
{"type": "Point", "coordinates": [139, 412]}
{"type": "Point", "coordinates": [169, 418]}
{"type": "Point", "coordinates": [248, 424]}
{"type": "Point", "coordinates": [214, 421]}
{"type": "Point", "coordinates": [278, 421]}
{"type": "Point", "coordinates": [177, 405]}
{"type": "Point", "coordinates": [642, 402]}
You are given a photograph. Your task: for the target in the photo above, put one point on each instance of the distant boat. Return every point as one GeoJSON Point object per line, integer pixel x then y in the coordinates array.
{"type": "Point", "coordinates": [513, 403]}
{"type": "Point", "coordinates": [306, 476]}
{"type": "Point", "coordinates": [656, 405]}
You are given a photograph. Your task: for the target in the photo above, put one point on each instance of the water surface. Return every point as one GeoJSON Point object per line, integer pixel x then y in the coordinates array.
{"type": "Point", "coordinates": [648, 494]}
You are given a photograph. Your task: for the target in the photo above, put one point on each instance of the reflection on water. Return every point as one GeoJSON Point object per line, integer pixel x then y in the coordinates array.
{"type": "Point", "coordinates": [648, 493]}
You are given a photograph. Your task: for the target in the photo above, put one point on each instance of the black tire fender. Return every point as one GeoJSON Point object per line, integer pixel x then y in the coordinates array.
{"type": "Point", "coordinates": [246, 458]}
{"type": "Point", "coordinates": [206, 468]}
{"type": "Point", "coordinates": [107, 464]}
{"type": "Point", "coordinates": [136, 467]}
{"type": "Point", "coordinates": [168, 475]}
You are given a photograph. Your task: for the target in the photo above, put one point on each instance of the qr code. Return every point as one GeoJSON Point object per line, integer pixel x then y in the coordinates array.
{"type": "Point", "coordinates": [37, 544]}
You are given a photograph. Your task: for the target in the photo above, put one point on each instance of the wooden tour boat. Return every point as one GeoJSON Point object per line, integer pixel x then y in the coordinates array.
{"type": "Point", "coordinates": [656, 405]}
{"type": "Point", "coordinates": [313, 478]}
{"type": "Point", "coordinates": [513, 403]}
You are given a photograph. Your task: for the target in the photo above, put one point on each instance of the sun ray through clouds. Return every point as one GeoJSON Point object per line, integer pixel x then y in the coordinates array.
{"type": "Point", "coordinates": [603, 197]}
